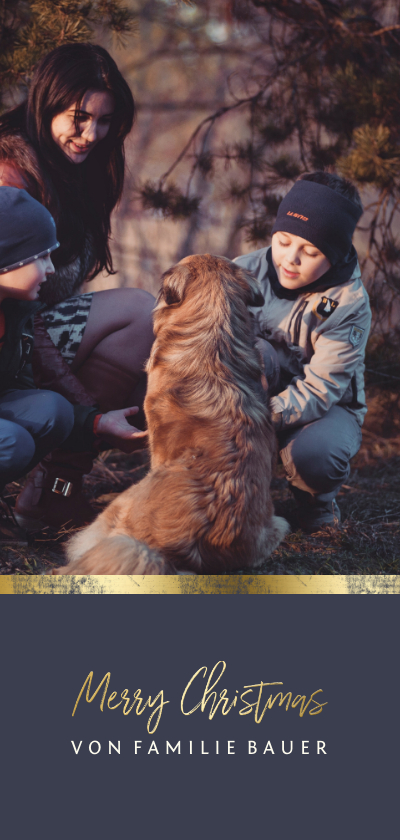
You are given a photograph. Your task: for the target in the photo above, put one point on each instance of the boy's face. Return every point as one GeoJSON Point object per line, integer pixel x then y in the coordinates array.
{"type": "Point", "coordinates": [297, 262]}
{"type": "Point", "coordinates": [24, 283]}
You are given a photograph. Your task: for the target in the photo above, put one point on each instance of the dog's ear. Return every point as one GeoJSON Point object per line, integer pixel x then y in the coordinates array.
{"type": "Point", "coordinates": [174, 283]}
{"type": "Point", "coordinates": [171, 296]}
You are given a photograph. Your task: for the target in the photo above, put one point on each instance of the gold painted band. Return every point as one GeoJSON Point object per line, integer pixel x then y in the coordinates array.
{"type": "Point", "coordinates": [201, 585]}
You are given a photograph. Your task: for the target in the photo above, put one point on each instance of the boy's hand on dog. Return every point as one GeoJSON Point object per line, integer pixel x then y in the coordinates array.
{"type": "Point", "coordinates": [114, 428]}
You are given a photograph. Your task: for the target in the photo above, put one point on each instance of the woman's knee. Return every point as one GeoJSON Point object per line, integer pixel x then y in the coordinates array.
{"type": "Point", "coordinates": [114, 309]}
{"type": "Point", "coordinates": [141, 310]}
{"type": "Point", "coordinates": [120, 325]}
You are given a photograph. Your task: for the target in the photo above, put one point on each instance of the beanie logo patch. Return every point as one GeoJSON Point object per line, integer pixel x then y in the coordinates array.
{"type": "Point", "coordinates": [356, 334]}
{"type": "Point", "coordinates": [297, 216]}
{"type": "Point", "coordinates": [325, 307]}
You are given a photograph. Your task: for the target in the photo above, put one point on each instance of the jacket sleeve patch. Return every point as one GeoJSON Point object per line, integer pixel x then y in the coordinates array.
{"type": "Point", "coordinates": [355, 335]}
{"type": "Point", "coordinates": [324, 307]}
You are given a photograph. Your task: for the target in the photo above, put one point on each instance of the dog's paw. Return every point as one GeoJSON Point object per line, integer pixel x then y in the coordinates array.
{"type": "Point", "coordinates": [273, 535]}
{"type": "Point", "coordinates": [281, 527]}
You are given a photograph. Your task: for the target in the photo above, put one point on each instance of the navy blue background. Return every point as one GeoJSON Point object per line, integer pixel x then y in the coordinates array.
{"type": "Point", "coordinates": [346, 645]}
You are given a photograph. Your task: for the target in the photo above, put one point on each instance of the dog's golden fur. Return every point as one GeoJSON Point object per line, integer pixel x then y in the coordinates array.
{"type": "Point", "coordinates": [205, 505]}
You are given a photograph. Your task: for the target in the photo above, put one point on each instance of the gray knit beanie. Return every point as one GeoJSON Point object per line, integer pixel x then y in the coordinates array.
{"type": "Point", "coordinates": [27, 230]}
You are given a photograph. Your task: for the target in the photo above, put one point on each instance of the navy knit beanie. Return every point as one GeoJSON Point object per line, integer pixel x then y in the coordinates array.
{"type": "Point", "coordinates": [27, 230]}
{"type": "Point", "coordinates": [320, 215]}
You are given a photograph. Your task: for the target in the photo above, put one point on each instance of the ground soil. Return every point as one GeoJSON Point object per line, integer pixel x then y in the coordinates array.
{"type": "Point", "coordinates": [367, 541]}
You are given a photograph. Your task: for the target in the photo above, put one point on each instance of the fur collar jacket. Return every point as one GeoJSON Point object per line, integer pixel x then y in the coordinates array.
{"type": "Point", "coordinates": [320, 338]}
{"type": "Point", "coordinates": [19, 168]}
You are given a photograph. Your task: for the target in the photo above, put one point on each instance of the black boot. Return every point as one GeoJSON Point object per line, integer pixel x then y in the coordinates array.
{"type": "Point", "coordinates": [10, 532]}
{"type": "Point", "coordinates": [52, 494]}
{"type": "Point", "coordinates": [315, 512]}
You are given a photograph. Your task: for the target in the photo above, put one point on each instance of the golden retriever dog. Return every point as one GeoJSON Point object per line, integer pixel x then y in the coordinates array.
{"type": "Point", "coordinates": [205, 505]}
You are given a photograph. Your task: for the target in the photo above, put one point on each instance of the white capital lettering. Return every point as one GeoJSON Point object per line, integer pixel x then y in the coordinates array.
{"type": "Point", "coordinates": [75, 748]}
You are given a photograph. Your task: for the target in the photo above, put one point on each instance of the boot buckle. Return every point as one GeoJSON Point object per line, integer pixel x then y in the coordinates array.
{"type": "Point", "coordinates": [61, 487]}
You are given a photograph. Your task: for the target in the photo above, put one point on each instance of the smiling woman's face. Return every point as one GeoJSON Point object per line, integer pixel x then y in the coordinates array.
{"type": "Point", "coordinates": [77, 137]}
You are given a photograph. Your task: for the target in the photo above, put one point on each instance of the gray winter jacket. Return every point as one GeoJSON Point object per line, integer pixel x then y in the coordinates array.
{"type": "Point", "coordinates": [320, 339]}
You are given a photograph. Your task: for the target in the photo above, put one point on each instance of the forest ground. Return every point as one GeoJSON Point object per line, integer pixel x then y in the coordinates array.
{"type": "Point", "coordinates": [367, 542]}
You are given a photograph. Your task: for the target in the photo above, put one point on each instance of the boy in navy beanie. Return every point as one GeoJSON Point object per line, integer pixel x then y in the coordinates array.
{"type": "Point", "coordinates": [313, 331]}
{"type": "Point", "coordinates": [32, 422]}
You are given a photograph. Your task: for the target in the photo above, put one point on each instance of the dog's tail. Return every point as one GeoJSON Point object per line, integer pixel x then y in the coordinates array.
{"type": "Point", "coordinates": [118, 555]}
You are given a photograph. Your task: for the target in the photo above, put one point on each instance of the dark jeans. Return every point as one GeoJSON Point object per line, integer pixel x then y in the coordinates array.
{"type": "Point", "coordinates": [32, 424]}
{"type": "Point", "coordinates": [316, 456]}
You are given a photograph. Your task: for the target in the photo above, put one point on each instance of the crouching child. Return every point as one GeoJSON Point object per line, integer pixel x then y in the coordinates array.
{"type": "Point", "coordinates": [313, 330]}
{"type": "Point", "coordinates": [33, 422]}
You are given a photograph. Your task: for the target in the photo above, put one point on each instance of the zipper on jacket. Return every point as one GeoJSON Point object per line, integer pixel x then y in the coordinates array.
{"type": "Point", "coordinates": [297, 323]}
{"type": "Point", "coordinates": [355, 403]}
{"type": "Point", "coordinates": [26, 348]}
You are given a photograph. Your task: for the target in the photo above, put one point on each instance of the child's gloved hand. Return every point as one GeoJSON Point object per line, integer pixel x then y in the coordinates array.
{"type": "Point", "coordinates": [114, 428]}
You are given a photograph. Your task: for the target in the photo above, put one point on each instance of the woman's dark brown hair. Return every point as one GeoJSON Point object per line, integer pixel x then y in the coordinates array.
{"type": "Point", "coordinates": [80, 196]}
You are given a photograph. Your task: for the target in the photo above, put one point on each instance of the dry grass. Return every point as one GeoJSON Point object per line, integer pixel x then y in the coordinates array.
{"type": "Point", "coordinates": [112, 472]}
{"type": "Point", "coordinates": [368, 541]}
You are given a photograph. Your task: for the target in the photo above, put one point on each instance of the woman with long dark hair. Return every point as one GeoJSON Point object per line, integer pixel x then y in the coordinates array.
{"type": "Point", "coordinates": [64, 145]}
